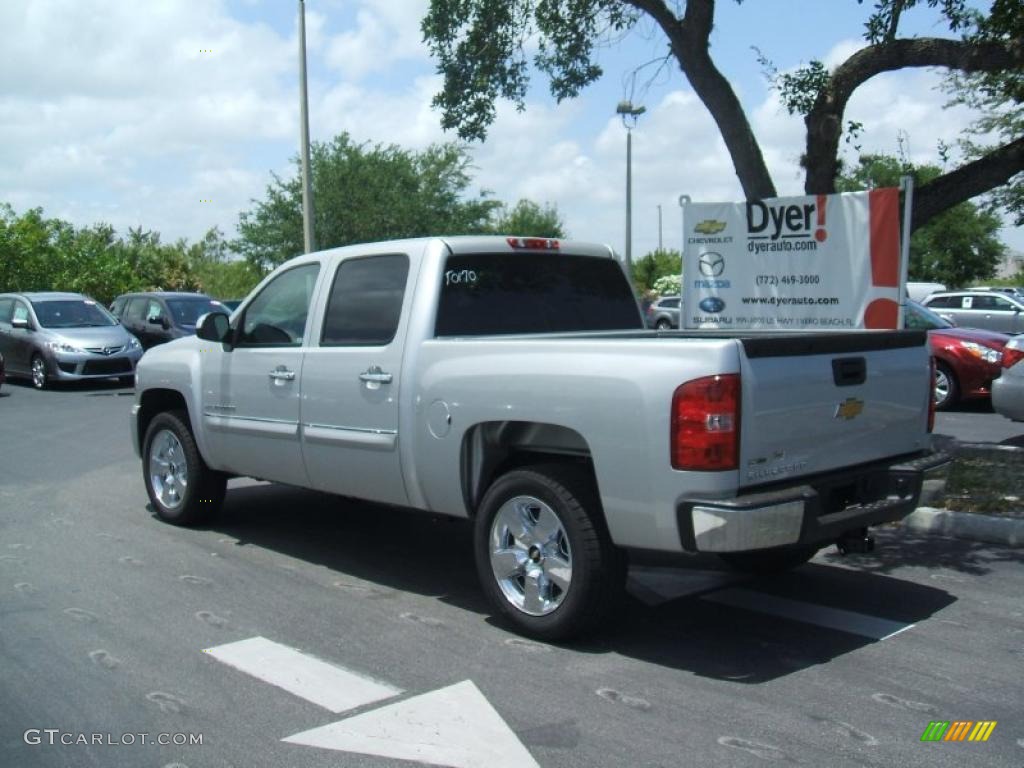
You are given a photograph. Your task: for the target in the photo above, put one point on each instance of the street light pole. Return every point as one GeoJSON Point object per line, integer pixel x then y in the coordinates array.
{"type": "Point", "coordinates": [660, 248]}
{"type": "Point", "coordinates": [627, 110]}
{"type": "Point", "coordinates": [308, 237]}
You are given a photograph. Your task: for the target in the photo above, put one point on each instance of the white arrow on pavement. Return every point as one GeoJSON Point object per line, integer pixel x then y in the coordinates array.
{"type": "Point", "coordinates": [327, 685]}
{"type": "Point", "coordinates": [454, 726]}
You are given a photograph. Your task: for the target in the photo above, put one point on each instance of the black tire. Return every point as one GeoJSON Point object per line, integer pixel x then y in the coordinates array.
{"type": "Point", "coordinates": [766, 562]}
{"type": "Point", "coordinates": [663, 325]}
{"type": "Point", "coordinates": [943, 373]}
{"type": "Point", "coordinates": [127, 381]}
{"type": "Point", "coordinates": [204, 490]}
{"type": "Point", "coordinates": [38, 374]}
{"type": "Point", "coordinates": [597, 568]}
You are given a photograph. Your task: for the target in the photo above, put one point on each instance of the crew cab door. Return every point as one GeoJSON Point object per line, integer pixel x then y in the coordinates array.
{"type": "Point", "coordinates": [251, 392]}
{"type": "Point", "coordinates": [350, 382]}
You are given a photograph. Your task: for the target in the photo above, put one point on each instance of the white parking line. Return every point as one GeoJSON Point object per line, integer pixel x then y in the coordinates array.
{"type": "Point", "coordinates": [809, 613]}
{"type": "Point", "coordinates": [329, 686]}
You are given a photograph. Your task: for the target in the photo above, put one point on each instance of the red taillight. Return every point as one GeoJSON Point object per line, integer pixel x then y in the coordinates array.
{"type": "Point", "coordinates": [536, 243]}
{"type": "Point", "coordinates": [1012, 356]}
{"type": "Point", "coordinates": [706, 424]}
{"type": "Point", "coordinates": [931, 396]}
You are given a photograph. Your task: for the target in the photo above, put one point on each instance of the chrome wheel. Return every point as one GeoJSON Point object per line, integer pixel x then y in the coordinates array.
{"type": "Point", "coordinates": [168, 469]}
{"type": "Point", "coordinates": [943, 387]}
{"type": "Point", "coordinates": [530, 555]}
{"type": "Point", "coordinates": [38, 372]}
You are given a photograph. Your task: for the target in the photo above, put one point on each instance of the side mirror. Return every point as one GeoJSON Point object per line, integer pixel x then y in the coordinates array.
{"type": "Point", "coordinates": [20, 322]}
{"type": "Point", "coordinates": [214, 326]}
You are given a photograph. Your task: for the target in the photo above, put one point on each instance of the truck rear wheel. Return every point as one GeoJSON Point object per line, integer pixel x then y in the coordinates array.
{"type": "Point", "coordinates": [769, 561]}
{"type": "Point", "coordinates": [543, 554]}
{"type": "Point", "coordinates": [183, 490]}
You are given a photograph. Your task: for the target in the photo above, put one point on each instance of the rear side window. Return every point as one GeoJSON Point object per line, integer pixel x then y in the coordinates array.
{"type": "Point", "coordinates": [118, 306]}
{"type": "Point", "coordinates": [670, 303]}
{"type": "Point", "coordinates": [943, 302]}
{"type": "Point", "coordinates": [133, 310]}
{"type": "Point", "coordinates": [497, 293]}
{"type": "Point", "coordinates": [366, 301]}
{"type": "Point", "coordinates": [5, 310]}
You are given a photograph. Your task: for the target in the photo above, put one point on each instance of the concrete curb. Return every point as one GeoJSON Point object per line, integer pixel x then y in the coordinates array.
{"type": "Point", "coordinates": [1008, 531]}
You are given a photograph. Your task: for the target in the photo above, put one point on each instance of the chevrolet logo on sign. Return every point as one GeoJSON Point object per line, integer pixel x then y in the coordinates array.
{"type": "Point", "coordinates": [709, 227]}
{"type": "Point", "coordinates": [850, 408]}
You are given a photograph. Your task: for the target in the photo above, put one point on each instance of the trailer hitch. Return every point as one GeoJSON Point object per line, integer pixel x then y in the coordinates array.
{"type": "Point", "coordinates": [855, 542]}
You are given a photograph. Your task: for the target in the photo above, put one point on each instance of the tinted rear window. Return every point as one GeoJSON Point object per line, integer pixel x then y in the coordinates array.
{"type": "Point", "coordinates": [497, 293]}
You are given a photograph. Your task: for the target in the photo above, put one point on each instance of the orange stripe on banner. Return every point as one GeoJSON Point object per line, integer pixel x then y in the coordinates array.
{"type": "Point", "coordinates": [884, 208]}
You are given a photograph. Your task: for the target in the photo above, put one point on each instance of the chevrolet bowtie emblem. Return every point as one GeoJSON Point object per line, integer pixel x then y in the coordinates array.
{"type": "Point", "coordinates": [850, 408]}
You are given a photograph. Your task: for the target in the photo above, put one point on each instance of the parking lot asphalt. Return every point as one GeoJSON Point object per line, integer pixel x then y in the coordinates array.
{"type": "Point", "coordinates": [298, 619]}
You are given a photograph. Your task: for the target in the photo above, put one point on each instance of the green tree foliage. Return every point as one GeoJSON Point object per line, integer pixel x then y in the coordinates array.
{"type": "Point", "coordinates": [957, 247]}
{"type": "Point", "coordinates": [44, 254]}
{"type": "Point", "coordinates": [999, 97]}
{"type": "Point", "coordinates": [364, 193]}
{"type": "Point", "coordinates": [655, 265]}
{"type": "Point", "coordinates": [483, 50]}
{"type": "Point", "coordinates": [527, 218]}
{"type": "Point", "coordinates": [669, 285]}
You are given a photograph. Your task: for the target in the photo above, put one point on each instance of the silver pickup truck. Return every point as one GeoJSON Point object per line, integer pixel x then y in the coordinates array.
{"type": "Point", "coordinates": [512, 381]}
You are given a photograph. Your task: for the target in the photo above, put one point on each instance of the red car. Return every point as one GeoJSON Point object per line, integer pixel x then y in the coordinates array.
{"type": "Point", "coordinates": [966, 359]}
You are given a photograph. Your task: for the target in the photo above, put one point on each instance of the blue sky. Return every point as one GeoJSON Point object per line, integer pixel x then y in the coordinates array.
{"type": "Point", "coordinates": [113, 111]}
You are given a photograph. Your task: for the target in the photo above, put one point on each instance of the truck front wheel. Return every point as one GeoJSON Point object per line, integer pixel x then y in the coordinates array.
{"type": "Point", "coordinates": [543, 554]}
{"type": "Point", "coordinates": [183, 490]}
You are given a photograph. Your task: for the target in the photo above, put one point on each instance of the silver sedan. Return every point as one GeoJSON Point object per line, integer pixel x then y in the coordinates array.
{"type": "Point", "coordinates": [1008, 389]}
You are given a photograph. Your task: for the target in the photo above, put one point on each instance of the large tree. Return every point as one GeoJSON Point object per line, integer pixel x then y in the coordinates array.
{"type": "Point", "coordinates": [957, 247]}
{"type": "Point", "coordinates": [364, 193]}
{"type": "Point", "coordinates": [481, 50]}
{"type": "Point", "coordinates": [528, 218]}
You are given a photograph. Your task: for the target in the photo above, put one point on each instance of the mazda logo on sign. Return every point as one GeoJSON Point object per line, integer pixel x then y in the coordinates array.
{"type": "Point", "coordinates": [711, 264]}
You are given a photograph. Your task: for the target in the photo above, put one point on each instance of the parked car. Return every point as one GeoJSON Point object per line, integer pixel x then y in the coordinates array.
{"type": "Point", "coordinates": [992, 310]}
{"type": "Point", "coordinates": [920, 291]}
{"type": "Point", "coordinates": [966, 359]}
{"type": "Point", "coordinates": [230, 304]}
{"type": "Point", "coordinates": [1008, 389]}
{"type": "Point", "coordinates": [664, 313]}
{"type": "Point", "coordinates": [53, 336]}
{"type": "Point", "coordinates": [160, 316]}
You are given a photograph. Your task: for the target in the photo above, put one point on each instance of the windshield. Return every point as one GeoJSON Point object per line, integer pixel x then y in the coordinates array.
{"type": "Point", "coordinates": [187, 311]}
{"type": "Point", "coordinates": [921, 318]}
{"type": "Point", "coordinates": [72, 313]}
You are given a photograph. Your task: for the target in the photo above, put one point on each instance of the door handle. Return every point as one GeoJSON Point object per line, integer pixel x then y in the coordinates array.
{"type": "Point", "coordinates": [375, 375]}
{"type": "Point", "coordinates": [282, 374]}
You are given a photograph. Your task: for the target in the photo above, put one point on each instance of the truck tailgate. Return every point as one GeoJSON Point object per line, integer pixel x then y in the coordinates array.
{"type": "Point", "coordinates": [813, 403]}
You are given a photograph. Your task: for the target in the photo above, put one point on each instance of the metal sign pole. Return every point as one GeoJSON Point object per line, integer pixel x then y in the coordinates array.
{"type": "Point", "coordinates": [907, 185]}
{"type": "Point", "coordinates": [684, 201]}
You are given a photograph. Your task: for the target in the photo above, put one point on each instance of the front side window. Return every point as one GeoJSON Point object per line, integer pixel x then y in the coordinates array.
{"type": "Point", "coordinates": [366, 301]}
{"type": "Point", "coordinates": [154, 312]}
{"type": "Point", "coordinates": [277, 316]}
{"type": "Point", "coordinates": [513, 293]}
{"type": "Point", "coordinates": [71, 313]}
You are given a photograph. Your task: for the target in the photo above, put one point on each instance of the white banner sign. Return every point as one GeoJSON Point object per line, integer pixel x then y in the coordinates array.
{"type": "Point", "coordinates": [814, 262]}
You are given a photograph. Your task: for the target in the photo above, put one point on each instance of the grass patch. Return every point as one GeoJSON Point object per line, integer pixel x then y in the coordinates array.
{"type": "Point", "coordinates": [986, 480]}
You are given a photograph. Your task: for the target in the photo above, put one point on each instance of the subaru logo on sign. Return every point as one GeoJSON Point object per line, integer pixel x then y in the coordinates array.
{"type": "Point", "coordinates": [712, 305]}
